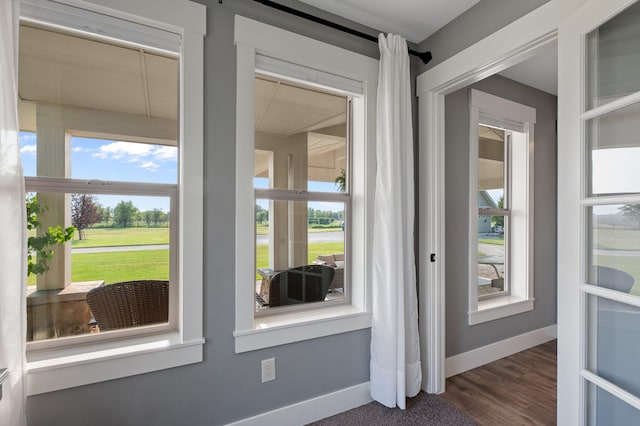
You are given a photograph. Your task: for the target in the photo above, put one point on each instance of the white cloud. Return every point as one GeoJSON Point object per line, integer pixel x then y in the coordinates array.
{"type": "Point", "coordinates": [81, 149]}
{"type": "Point", "coordinates": [127, 150]}
{"type": "Point", "coordinates": [28, 149]}
{"type": "Point", "coordinates": [27, 137]}
{"type": "Point", "coordinates": [166, 153]}
{"type": "Point", "coordinates": [149, 165]}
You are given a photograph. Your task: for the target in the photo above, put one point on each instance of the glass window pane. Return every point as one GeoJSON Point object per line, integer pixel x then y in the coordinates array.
{"type": "Point", "coordinates": [613, 56]}
{"type": "Point", "coordinates": [615, 247]}
{"type": "Point", "coordinates": [491, 256]}
{"type": "Point", "coordinates": [613, 342]}
{"type": "Point", "coordinates": [300, 137]}
{"type": "Point", "coordinates": [116, 239]}
{"type": "Point", "coordinates": [295, 235]}
{"type": "Point", "coordinates": [604, 409]}
{"type": "Point", "coordinates": [123, 161]}
{"type": "Point", "coordinates": [491, 167]}
{"type": "Point", "coordinates": [614, 150]}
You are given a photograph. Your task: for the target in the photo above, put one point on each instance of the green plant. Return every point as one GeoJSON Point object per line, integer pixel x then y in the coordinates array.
{"type": "Point", "coordinates": [341, 181]}
{"type": "Point", "coordinates": [40, 246]}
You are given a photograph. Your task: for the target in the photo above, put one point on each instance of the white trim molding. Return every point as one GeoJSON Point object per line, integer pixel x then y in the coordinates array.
{"type": "Point", "coordinates": [514, 43]}
{"type": "Point", "coordinates": [60, 367]}
{"type": "Point", "coordinates": [480, 356]}
{"type": "Point", "coordinates": [312, 409]}
{"type": "Point", "coordinates": [351, 72]}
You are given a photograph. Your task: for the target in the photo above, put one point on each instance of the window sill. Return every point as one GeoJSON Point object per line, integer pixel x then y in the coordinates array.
{"type": "Point", "coordinates": [294, 327]}
{"type": "Point", "coordinates": [58, 369]}
{"type": "Point", "coordinates": [499, 307]}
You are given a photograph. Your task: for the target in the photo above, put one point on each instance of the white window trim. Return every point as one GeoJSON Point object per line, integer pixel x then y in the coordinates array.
{"type": "Point", "coordinates": [520, 118]}
{"type": "Point", "coordinates": [252, 333]}
{"type": "Point", "coordinates": [61, 368]}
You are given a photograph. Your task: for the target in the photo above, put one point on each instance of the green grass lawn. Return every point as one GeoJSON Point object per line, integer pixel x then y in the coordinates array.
{"type": "Point", "coordinates": [119, 266]}
{"type": "Point", "coordinates": [617, 239]}
{"type": "Point", "coordinates": [492, 240]}
{"type": "Point", "coordinates": [114, 237]}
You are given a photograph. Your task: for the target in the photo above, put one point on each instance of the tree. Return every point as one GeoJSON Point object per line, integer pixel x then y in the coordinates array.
{"type": "Point", "coordinates": [262, 215]}
{"type": "Point", "coordinates": [631, 212]}
{"type": "Point", "coordinates": [148, 217]}
{"type": "Point", "coordinates": [124, 213]}
{"type": "Point", "coordinates": [341, 181]}
{"type": "Point", "coordinates": [85, 211]}
{"type": "Point", "coordinates": [107, 212]}
{"type": "Point", "coordinates": [499, 220]}
{"type": "Point", "coordinates": [156, 216]}
{"type": "Point", "coordinates": [39, 249]}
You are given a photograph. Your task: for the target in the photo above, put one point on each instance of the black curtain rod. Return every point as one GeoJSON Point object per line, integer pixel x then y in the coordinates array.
{"type": "Point", "coordinates": [424, 56]}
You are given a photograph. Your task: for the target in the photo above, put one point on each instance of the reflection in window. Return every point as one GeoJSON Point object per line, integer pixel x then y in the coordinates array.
{"type": "Point", "coordinates": [615, 247]}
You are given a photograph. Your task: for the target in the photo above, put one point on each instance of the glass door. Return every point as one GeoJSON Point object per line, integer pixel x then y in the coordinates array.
{"type": "Point", "coordinates": [599, 216]}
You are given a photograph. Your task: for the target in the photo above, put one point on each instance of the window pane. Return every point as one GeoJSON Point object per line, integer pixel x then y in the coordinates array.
{"type": "Point", "coordinates": [613, 56]}
{"type": "Point", "coordinates": [114, 241]}
{"type": "Point", "coordinates": [615, 152]}
{"type": "Point", "coordinates": [613, 344]}
{"type": "Point", "coordinates": [300, 137]}
{"type": "Point", "coordinates": [123, 161]}
{"type": "Point", "coordinates": [491, 255]}
{"type": "Point", "coordinates": [615, 247]}
{"type": "Point", "coordinates": [491, 167]}
{"type": "Point", "coordinates": [292, 236]}
{"type": "Point", "coordinates": [605, 409]}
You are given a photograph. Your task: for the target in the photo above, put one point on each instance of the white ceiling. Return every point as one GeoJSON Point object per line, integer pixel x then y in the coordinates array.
{"type": "Point", "coordinates": [415, 20]}
{"type": "Point", "coordinates": [418, 19]}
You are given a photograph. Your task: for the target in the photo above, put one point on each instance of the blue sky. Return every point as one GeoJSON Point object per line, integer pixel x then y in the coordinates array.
{"type": "Point", "coordinates": [135, 162]}
{"type": "Point", "coordinates": [113, 161]}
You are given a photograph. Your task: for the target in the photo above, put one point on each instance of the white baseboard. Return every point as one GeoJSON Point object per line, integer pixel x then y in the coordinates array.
{"type": "Point", "coordinates": [475, 358]}
{"type": "Point", "coordinates": [312, 409]}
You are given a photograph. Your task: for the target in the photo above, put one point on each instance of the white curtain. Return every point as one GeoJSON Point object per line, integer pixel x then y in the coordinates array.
{"type": "Point", "coordinates": [12, 219]}
{"type": "Point", "coordinates": [395, 351]}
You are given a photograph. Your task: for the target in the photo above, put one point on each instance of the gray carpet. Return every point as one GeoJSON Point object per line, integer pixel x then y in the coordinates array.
{"type": "Point", "coordinates": [423, 409]}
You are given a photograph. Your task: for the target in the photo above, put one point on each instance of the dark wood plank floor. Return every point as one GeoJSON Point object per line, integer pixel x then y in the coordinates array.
{"type": "Point", "coordinates": [516, 390]}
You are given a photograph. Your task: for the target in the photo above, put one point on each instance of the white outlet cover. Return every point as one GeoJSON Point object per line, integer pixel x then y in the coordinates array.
{"type": "Point", "coordinates": [268, 370]}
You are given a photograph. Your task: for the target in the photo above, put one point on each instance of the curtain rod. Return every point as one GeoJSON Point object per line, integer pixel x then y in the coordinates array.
{"type": "Point", "coordinates": [424, 56]}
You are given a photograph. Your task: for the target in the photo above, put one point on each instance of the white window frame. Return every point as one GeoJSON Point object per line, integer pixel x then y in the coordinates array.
{"type": "Point", "coordinates": [64, 367]}
{"type": "Point", "coordinates": [253, 333]}
{"type": "Point", "coordinates": [512, 116]}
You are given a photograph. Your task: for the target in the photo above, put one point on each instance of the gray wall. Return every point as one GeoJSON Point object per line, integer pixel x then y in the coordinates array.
{"type": "Point", "coordinates": [226, 386]}
{"type": "Point", "coordinates": [483, 19]}
{"type": "Point", "coordinates": [460, 337]}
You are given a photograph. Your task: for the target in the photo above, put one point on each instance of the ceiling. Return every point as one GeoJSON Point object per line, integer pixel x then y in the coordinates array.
{"type": "Point", "coordinates": [415, 20]}
{"type": "Point", "coordinates": [57, 68]}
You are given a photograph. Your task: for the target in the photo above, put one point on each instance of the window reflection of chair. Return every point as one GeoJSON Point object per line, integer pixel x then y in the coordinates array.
{"type": "Point", "coordinates": [129, 304]}
{"type": "Point", "coordinates": [303, 284]}
{"type": "Point", "coordinates": [612, 278]}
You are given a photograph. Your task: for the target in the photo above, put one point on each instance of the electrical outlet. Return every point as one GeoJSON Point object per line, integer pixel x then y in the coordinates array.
{"type": "Point", "coordinates": [268, 370]}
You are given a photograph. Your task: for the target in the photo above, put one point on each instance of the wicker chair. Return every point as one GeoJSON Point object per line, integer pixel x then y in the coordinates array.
{"type": "Point", "coordinates": [129, 304]}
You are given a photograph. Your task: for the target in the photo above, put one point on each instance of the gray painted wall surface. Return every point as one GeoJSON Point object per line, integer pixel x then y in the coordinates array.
{"type": "Point", "coordinates": [460, 337]}
{"type": "Point", "coordinates": [483, 19]}
{"type": "Point", "coordinates": [226, 386]}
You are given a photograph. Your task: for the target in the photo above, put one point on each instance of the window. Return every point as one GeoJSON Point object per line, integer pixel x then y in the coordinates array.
{"type": "Point", "coordinates": [108, 143]}
{"type": "Point", "coordinates": [305, 121]}
{"type": "Point", "coordinates": [302, 195]}
{"type": "Point", "coordinates": [75, 90]}
{"type": "Point", "coordinates": [501, 206]}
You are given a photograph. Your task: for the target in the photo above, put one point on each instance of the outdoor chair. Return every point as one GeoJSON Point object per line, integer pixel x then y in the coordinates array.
{"type": "Point", "coordinates": [303, 284]}
{"type": "Point", "coordinates": [129, 304]}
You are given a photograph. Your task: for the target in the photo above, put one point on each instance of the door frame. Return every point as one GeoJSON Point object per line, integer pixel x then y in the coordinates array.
{"type": "Point", "coordinates": [515, 43]}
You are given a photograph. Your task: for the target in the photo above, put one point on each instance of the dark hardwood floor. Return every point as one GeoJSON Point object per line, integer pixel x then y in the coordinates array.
{"type": "Point", "coordinates": [516, 390]}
